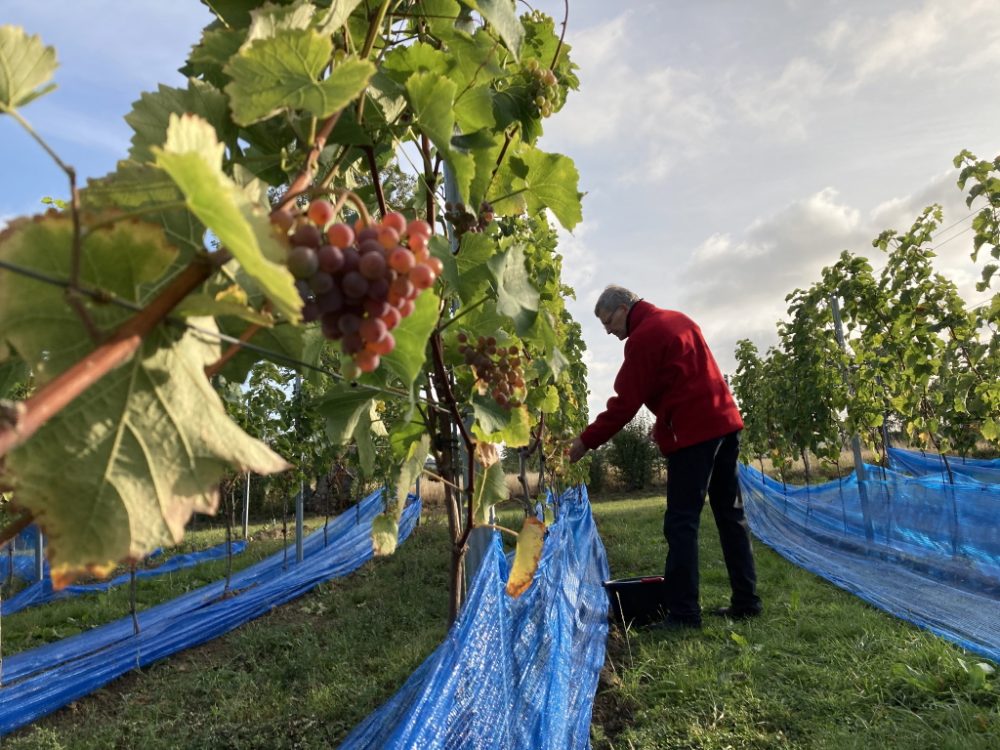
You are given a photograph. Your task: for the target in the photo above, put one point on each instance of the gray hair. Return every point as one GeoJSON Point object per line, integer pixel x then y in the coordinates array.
{"type": "Point", "coordinates": [612, 297]}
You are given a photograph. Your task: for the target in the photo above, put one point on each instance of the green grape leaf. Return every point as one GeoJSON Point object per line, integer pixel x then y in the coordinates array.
{"type": "Point", "coordinates": [432, 99]}
{"type": "Point", "coordinates": [192, 156]}
{"type": "Point", "coordinates": [991, 429]}
{"type": "Point", "coordinates": [205, 305]}
{"type": "Point", "coordinates": [289, 343]}
{"type": "Point", "coordinates": [407, 359]}
{"type": "Point", "coordinates": [403, 435]}
{"type": "Point", "coordinates": [363, 433]}
{"type": "Point", "coordinates": [385, 534]}
{"type": "Point", "coordinates": [282, 73]}
{"type": "Point", "coordinates": [516, 297]}
{"type": "Point", "coordinates": [150, 115]}
{"type": "Point", "coordinates": [440, 248]}
{"type": "Point", "coordinates": [503, 17]}
{"type": "Point", "coordinates": [550, 403]}
{"type": "Point", "coordinates": [343, 406]}
{"type": "Point", "coordinates": [419, 57]}
{"type": "Point", "coordinates": [13, 372]}
{"type": "Point", "coordinates": [26, 65]}
{"type": "Point", "coordinates": [526, 556]}
{"type": "Point", "coordinates": [34, 318]}
{"type": "Point", "coordinates": [475, 272]}
{"type": "Point", "coordinates": [134, 186]}
{"type": "Point", "coordinates": [267, 20]}
{"type": "Point", "coordinates": [337, 15]}
{"type": "Point", "coordinates": [497, 425]}
{"type": "Point", "coordinates": [148, 443]}
{"type": "Point", "coordinates": [548, 181]}
{"type": "Point", "coordinates": [208, 58]}
{"type": "Point", "coordinates": [474, 109]}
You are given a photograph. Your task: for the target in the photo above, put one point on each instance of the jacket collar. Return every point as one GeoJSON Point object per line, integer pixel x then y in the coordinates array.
{"type": "Point", "coordinates": [636, 314]}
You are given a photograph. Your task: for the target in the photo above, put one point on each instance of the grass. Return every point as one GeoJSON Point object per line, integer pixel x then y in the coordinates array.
{"type": "Point", "coordinates": [820, 669]}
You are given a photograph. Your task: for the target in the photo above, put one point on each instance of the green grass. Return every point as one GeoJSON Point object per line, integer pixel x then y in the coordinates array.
{"type": "Point", "coordinates": [820, 669]}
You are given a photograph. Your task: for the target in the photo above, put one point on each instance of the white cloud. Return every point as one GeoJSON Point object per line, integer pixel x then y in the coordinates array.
{"type": "Point", "coordinates": [783, 105]}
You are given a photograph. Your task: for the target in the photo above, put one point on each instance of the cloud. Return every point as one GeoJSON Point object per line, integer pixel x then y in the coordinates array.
{"type": "Point", "coordinates": [782, 105]}
{"type": "Point", "coordinates": [651, 116]}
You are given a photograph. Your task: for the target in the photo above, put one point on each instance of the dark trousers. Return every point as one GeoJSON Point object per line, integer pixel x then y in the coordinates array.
{"type": "Point", "coordinates": [708, 467]}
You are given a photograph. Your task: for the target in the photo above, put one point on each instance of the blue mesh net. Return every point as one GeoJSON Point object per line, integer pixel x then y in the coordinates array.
{"type": "Point", "coordinates": [924, 550]}
{"type": "Point", "coordinates": [517, 673]}
{"type": "Point", "coordinates": [41, 680]}
{"type": "Point", "coordinates": [921, 464]}
{"type": "Point", "coordinates": [17, 557]}
{"type": "Point", "coordinates": [41, 592]}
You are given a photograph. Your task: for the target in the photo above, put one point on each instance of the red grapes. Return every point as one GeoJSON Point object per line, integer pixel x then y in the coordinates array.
{"type": "Point", "coordinates": [497, 368]}
{"type": "Point", "coordinates": [358, 282]}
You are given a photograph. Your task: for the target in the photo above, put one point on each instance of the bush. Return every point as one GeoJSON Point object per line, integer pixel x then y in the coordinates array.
{"type": "Point", "coordinates": [634, 454]}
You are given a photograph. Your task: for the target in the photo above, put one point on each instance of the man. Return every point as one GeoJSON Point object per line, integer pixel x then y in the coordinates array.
{"type": "Point", "coordinates": [669, 368]}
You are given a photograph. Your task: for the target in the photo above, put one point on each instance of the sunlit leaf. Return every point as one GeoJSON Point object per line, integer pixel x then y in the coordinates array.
{"type": "Point", "coordinates": [502, 15]}
{"type": "Point", "coordinates": [411, 335]}
{"type": "Point", "coordinates": [495, 424]}
{"type": "Point", "coordinates": [283, 73]}
{"type": "Point", "coordinates": [150, 115]}
{"type": "Point", "coordinates": [526, 556]}
{"type": "Point", "coordinates": [192, 156]}
{"type": "Point", "coordinates": [516, 297]}
{"type": "Point", "coordinates": [26, 65]}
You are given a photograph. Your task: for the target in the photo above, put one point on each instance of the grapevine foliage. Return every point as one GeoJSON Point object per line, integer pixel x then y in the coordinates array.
{"type": "Point", "coordinates": [263, 174]}
{"type": "Point", "coordinates": [915, 358]}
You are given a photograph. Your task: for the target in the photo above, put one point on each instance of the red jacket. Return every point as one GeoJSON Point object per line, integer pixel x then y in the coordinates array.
{"type": "Point", "coordinates": [669, 368]}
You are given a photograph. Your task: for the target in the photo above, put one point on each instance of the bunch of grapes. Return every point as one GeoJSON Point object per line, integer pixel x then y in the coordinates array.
{"type": "Point", "coordinates": [360, 281]}
{"type": "Point", "coordinates": [463, 220]}
{"type": "Point", "coordinates": [497, 367]}
{"type": "Point", "coordinates": [544, 91]}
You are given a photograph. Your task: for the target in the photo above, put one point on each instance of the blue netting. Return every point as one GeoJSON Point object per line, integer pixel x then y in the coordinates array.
{"type": "Point", "coordinates": [39, 681]}
{"type": "Point", "coordinates": [919, 464]}
{"type": "Point", "coordinates": [512, 673]}
{"type": "Point", "coordinates": [924, 550]}
{"type": "Point", "coordinates": [17, 557]}
{"type": "Point", "coordinates": [41, 592]}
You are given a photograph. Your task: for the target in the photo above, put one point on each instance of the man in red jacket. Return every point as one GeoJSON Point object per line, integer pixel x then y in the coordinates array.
{"type": "Point", "coordinates": [669, 369]}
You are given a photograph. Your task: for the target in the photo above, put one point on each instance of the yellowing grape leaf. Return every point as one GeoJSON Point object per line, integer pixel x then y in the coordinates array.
{"type": "Point", "coordinates": [385, 527]}
{"type": "Point", "coordinates": [119, 471]}
{"type": "Point", "coordinates": [192, 156]}
{"type": "Point", "coordinates": [526, 556]}
{"type": "Point", "coordinates": [25, 65]}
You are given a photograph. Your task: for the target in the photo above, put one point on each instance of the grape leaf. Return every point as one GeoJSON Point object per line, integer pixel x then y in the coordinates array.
{"type": "Point", "coordinates": [495, 424]}
{"type": "Point", "coordinates": [145, 446]}
{"type": "Point", "coordinates": [337, 15]}
{"type": "Point", "coordinates": [192, 156]}
{"type": "Point", "coordinates": [269, 19]}
{"type": "Point", "coordinates": [502, 16]}
{"type": "Point", "coordinates": [548, 181]}
{"type": "Point", "coordinates": [26, 65]}
{"type": "Point", "coordinates": [283, 73]}
{"type": "Point", "coordinates": [473, 268]}
{"type": "Point", "coordinates": [411, 335]}
{"type": "Point", "coordinates": [13, 372]}
{"type": "Point", "coordinates": [210, 55]}
{"type": "Point", "coordinates": [432, 99]}
{"type": "Point", "coordinates": [343, 406]}
{"type": "Point", "coordinates": [516, 297]}
{"type": "Point", "coordinates": [526, 556]}
{"type": "Point", "coordinates": [204, 305]}
{"type": "Point", "coordinates": [134, 186]}
{"type": "Point", "coordinates": [491, 482]}
{"type": "Point", "coordinates": [385, 526]}
{"type": "Point", "coordinates": [34, 318]}
{"type": "Point", "coordinates": [150, 115]}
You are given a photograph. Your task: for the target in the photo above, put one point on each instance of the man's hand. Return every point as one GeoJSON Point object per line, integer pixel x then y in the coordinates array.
{"type": "Point", "coordinates": [577, 450]}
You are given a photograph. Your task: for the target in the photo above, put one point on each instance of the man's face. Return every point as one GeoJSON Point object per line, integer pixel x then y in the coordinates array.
{"type": "Point", "coordinates": [614, 322]}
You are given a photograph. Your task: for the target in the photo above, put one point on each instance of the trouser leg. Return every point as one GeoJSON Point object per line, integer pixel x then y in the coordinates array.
{"type": "Point", "coordinates": [726, 500]}
{"type": "Point", "coordinates": [688, 473]}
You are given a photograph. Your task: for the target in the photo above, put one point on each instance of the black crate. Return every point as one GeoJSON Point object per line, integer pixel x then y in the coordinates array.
{"type": "Point", "coordinates": [636, 601]}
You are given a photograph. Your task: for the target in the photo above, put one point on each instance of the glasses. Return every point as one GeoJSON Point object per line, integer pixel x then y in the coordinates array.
{"type": "Point", "coordinates": [607, 321]}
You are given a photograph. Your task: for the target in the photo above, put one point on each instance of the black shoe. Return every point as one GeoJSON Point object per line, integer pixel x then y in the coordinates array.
{"type": "Point", "coordinates": [736, 614]}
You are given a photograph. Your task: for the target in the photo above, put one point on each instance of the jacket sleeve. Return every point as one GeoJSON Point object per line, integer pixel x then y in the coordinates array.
{"type": "Point", "coordinates": [631, 390]}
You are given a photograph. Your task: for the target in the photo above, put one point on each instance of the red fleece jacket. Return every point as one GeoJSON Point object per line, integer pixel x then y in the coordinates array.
{"type": "Point", "coordinates": [669, 368]}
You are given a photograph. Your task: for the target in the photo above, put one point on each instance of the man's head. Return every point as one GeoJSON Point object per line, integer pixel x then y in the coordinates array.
{"type": "Point", "coordinates": [612, 309]}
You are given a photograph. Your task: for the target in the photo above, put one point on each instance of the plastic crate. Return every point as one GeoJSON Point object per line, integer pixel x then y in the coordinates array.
{"type": "Point", "coordinates": [636, 601]}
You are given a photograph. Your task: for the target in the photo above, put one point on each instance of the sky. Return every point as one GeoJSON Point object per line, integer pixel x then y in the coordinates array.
{"type": "Point", "coordinates": [728, 150]}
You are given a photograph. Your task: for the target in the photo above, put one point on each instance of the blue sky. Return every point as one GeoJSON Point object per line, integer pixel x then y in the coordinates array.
{"type": "Point", "coordinates": [729, 150]}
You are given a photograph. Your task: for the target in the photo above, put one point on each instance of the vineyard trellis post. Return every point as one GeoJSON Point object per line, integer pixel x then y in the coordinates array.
{"type": "Point", "coordinates": [859, 464]}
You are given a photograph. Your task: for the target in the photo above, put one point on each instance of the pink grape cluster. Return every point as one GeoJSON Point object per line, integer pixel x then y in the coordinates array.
{"type": "Point", "coordinates": [497, 366]}
{"type": "Point", "coordinates": [463, 220]}
{"type": "Point", "coordinates": [358, 282]}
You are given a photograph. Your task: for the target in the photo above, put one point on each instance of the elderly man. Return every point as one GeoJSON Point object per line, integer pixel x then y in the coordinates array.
{"type": "Point", "coordinates": [669, 369]}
